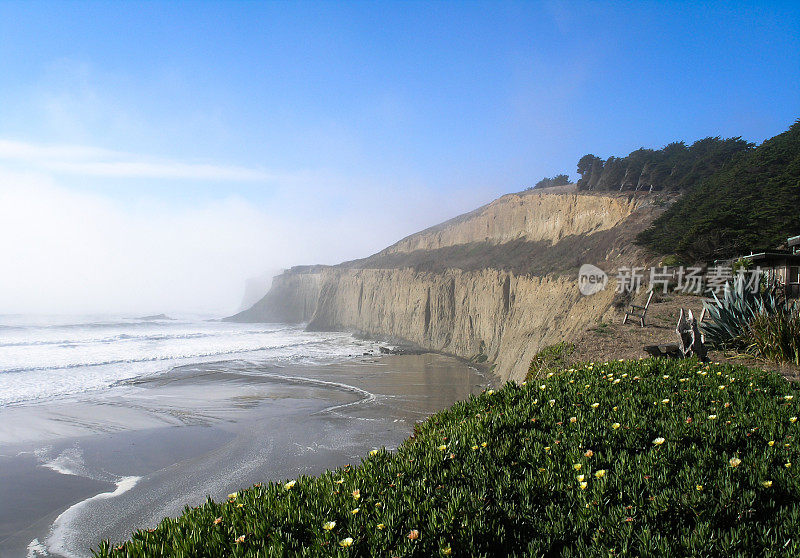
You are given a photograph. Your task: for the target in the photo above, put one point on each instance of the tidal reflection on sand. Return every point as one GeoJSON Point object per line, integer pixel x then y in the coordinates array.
{"type": "Point", "coordinates": [79, 469]}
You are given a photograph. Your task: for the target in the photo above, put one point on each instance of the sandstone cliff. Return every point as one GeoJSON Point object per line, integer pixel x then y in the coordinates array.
{"type": "Point", "coordinates": [497, 283]}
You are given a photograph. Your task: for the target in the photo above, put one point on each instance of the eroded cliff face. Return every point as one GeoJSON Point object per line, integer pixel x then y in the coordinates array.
{"type": "Point", "coordinates": [495, 312]}
{"type": "Point", "coordinates": [529, 216]}
{"type": "Point", "coordinates": [291, 299]}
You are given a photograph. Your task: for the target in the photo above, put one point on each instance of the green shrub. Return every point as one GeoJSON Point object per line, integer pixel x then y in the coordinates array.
{"type": "Point", "coordinates": [550, 359]}
{"type": "Point", "coordinates": [759, 323]}
{"type": "Point", "coordinates": [678, 459]}
{"type": "Point", "coordinates": [671, 260]}
{"type": "Point", "coordinates": [775, 336]}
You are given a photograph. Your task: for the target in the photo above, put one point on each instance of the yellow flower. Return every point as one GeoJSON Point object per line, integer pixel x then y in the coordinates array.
{"type": "Point", "coordinates": [712, 417]}
{"type": "Point", "coordinates": [442, 447]}
{"type": "Point", "coordinates": [490, 392]}
{"type": "Point", "coordinates": [289, 485]}
{"type": "Point", "coordinates": [616, 381]}
{"type": "Point", "coordinates": [595, 405]}
{"type": "Point", "coordinates": [483, 444]}
{"type": "Point", "coordinates": [373, 452]}
{"type": "Point", "coordinates": [346, 542]}
{"type": "Point", "coordinates": [588, 453]}
{"type": "Point", "coordinates": [766, 484]}
{"type": "Point", "coordinates": [665, 376]}
{"type": "Point", "coordinates": [543, 387]}
{"type": "Point", "coordinates": [413, 535]}
{"type": "Point", "coordinates": [600, 474]}
{"type": "Point", "coordinates": [381, 526]}
{"type": "Point", "coordinates": [356, 494]}
{"type": "Point", "coordinates": [328, 525]}
{"type": "Point", "coordinates": [659, 441]}
{"type": "Point", "coordinates": [614, 408]}
{"type": "Point", "coordinates": [475, 447]}
{"type": "Point", "coordinates": [233, 495]}
{"type": "Point", "coordinates": [552, 402]}
{"type": "Point", "coordinates": [378, 504]}
{"type": "Point", "coordinates": [240, 539]}
{"type": "Point", "coordinates": [577, 466]}
{"type": "Point", "coordinates": [547, 449]}
{"type": "Point", "coordinates": [734, 461]}
{"type": "Point", "coordinates": [340, 481]}
{"type": "Point", "coordinates": [771, 443]}
{"type": "Point", "coordinates": [793, 419]}
{"type": "Point", "coordinates": [355, 511]}
{"type": "Point", "coordinates": [699, 487]}
{"type": "Point", "coordinates": [788, 397]}
{"type": "Point", "coordinates": [615, 425]}
{"type": "Point", "coordinates": [584, 485]}
{"type": "Point", "coordinates": [788, 464]}
{"type": "Point", "coordinates": [573, 419]}
{"type": "Point", "coordinates": [217, 521]}
{"type": "Point", "coordinates": [581, 478]}
{"type": "Point", "coordinates": [447, 551]}
{"type": "Point", "coordinates": [721, 387]}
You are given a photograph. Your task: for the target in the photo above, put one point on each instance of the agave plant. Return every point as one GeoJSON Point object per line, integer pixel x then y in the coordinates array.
{"type": "Point", "coordinates": [731, 316]}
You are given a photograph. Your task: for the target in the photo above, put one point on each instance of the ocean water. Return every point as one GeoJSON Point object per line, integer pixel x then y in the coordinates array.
{"type": "Point", "coordinates": [43, 357]}
{"type": "Point", "coordinates": [110, 423]}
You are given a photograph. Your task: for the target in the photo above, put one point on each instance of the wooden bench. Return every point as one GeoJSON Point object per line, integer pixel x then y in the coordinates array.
{"type": "Point", "coordinates": [636, 311]}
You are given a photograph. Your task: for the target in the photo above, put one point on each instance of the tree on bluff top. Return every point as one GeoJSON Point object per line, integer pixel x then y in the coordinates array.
{"type": "Point", "coordinates": [557, 180]}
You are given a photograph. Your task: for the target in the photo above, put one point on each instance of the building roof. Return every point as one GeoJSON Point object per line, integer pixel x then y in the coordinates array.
{"type": "Point", "coordinates": [794, 241]}
{"type": "Point", "coordinates": [774, 255]}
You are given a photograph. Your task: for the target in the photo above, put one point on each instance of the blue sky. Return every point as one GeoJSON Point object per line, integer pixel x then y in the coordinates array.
{"type": "Point", "coordinates": [336, 128]}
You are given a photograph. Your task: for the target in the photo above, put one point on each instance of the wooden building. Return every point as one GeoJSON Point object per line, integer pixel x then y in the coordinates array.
{"type": "Point", "coordinates": [781, 266]}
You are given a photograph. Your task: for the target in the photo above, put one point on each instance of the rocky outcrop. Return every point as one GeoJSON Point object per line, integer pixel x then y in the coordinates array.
{"type": "Point", "coordinates": [491, 313]}
{"type": "Point", "coordinates": [291, 299]}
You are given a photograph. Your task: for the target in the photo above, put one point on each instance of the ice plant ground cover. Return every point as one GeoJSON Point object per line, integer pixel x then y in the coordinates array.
{"type": "Point", "coordinates": [651, 457]}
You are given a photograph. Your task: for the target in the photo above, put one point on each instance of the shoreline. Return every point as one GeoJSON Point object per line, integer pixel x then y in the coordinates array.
{"type": "Point", "coordinates": [483, 476]}
{"type": "Point", "coordinates": [203, 430]}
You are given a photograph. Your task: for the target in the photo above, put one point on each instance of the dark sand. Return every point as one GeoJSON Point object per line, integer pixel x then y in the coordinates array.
{"type": "Point", "coordinates": [80, 469]}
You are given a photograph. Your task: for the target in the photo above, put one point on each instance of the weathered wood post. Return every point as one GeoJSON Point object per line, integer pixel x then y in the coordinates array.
{"type": "Point", "coordinates": [691, 339]}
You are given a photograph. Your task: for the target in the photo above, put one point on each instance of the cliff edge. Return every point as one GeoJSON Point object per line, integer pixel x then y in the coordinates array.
{"type": "Point", "coordinates": [492, 285]}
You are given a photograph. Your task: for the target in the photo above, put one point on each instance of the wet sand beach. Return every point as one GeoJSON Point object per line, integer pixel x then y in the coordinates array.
{"type": "Point", "coordinates": [78, 469]}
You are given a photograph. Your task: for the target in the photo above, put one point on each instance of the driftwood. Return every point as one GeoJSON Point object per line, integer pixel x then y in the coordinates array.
{"type": "Point", "coordinates": [669, 350]}
{"type": "Point", "coordinates": [692, 342]}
